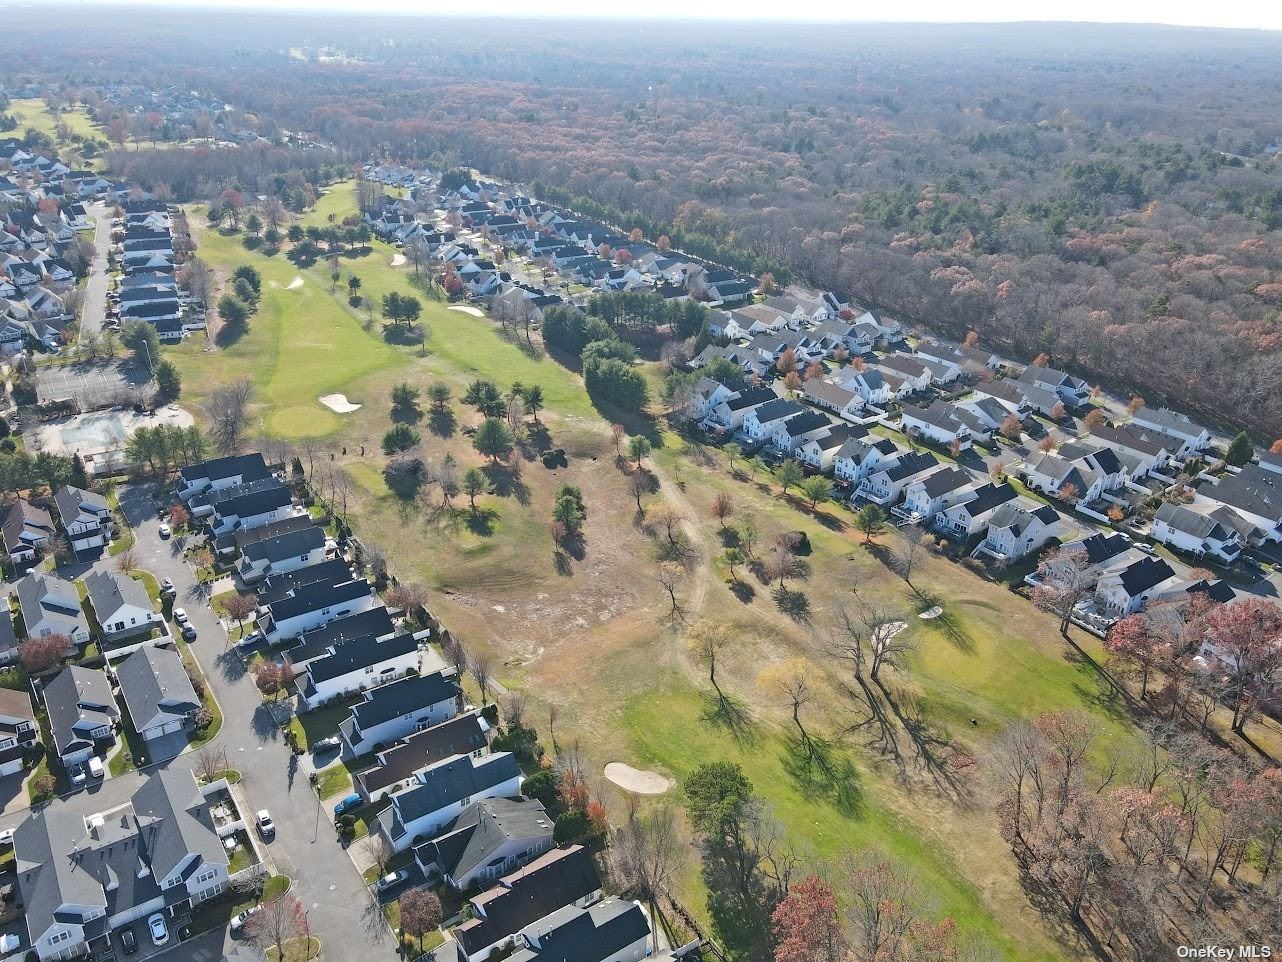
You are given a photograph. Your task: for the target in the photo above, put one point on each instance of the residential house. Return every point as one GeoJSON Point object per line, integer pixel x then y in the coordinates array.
{"type": "Point", "coordinates": [819, 453]}
{"type": "Point", "coordinates": [916, 375]}
{"type": "Point", "coordinates": [842, 401]}
{"type": "Point", "coordinates": [937, 424]}
{"type": "Point", "coordinates": [970, 515]}
{"type": "Point", "coordinates": [1268, 461]}
{"type": "Point", "coordinates": [730, 292]}
{"type": "Point", "coordinates": [789, 434]}
{"type": "Point", "coordinates": [860, 457]}
{"type": "Point", "coordinates": [396, 710]}
{"type": "Point", "coordinates": [1144, 451]}
{"type": "Point", "coordinates": [240, 540]}
{"type": "Point", "coordinates": [27, 531]}
{"type": "Point", "coordinates": [1198, 532]}
{"type": "Point", "coordinates": [799, 309]}
{"type": "Point", "coordinates": [8, 637]}
{"type": "Point", "coordinates": [441, 792]}
{"type": "Point", "coordinates": [753, 321]}
{"type": "Point", "coordinates": [1122, 592]}
{"type": "Point", "coordinates": [283, 553]}
{"type": "Point", "coordinates": [374, 623]}
{"type": "Point", "coordinates": [760, 423]}
{"type": "Point", "coordinates": [986, 411]}
{"type": "Point", "coordinates": [121, 605]}
{"type": "Point", "coordinates": [1016, 397]}
{"type": "Point", "coordinates": [1193, 438]}
{"type": "Point", "coordinates": [1254, 493]}
{"type": "Point", "coordinates": [221, 473]}
{"type": "Point", "coordinates": [356, 665]}
{"type": "Point", "coordinates": [313, 605]}
{"type": "Point", "coordinates": [1018, 528]}
{"type": "Point", "coordinates": [18, 730]}
{"type": "Point", "coordinates": [51, 606]}
{"type": "Point", "coordinates": [728, 414]}
{"type": "Point", "coordinates": [1061, 478]}
{"type": "Point", "coordinates": [1106, 462]}
{"type": "Point", "coordinates": [770, 348]}
{"type": "Point", "coordinates": [82, 713]}
{"type": "Point", "coordinates": [157, 691]}
{"type": "Point", "coordinates": [888, 329]}
{"type": "Point", "coordinates": [886, 483]}
{"type": "Point", "coordinates": [85, 517]}
{"type": "Point", "coordinates": [488, 839]}
{"type": "Point", "coordinates": [561, 877]}
{"type": "Point", "coordinates": [396, 765]}
{"type": "Point", "coordinates": [1073, 391]}
{"type": "Point", "coordinates": [877, 388]}
{"type": "Point", "coordinates": [854, 339]}
{"type": "Point", "coordinates": [611, 930]}
{"type": "Point", "coordinates": [84, 872]}
{"type": "Point", "coordinates": [932, 493]}
{"type": "Point", "coordinates": [252, 510]}
{"type": "Point", "coordinates": [708, 395]}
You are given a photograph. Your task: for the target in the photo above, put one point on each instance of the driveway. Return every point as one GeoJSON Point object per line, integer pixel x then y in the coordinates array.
{"type": "Point", "coordinates": [342, 912]}
{"type": "Point", "coordinates": [94, 309]}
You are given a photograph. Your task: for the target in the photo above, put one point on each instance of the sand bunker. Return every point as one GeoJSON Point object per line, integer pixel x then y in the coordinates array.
{"type": "Point", "coordinates": [930, 614]}
{"type": "Point", "coordinates": [637, 781]}
{"type": "Point", "coordinates": [295, 284]}
{"type": "Point", "coordinates": [339, 404]}
{"type": "Point", "coordinates": [884, 633]}
{"type": "Point", "coordinates": [398, 260]}
{"type": "Point", "coordinates": [467, 309]}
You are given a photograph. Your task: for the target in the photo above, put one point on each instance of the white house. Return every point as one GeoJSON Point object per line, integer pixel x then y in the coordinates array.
{"type": "Point", "coordinates": [1060, 478]}
{"type": "Point", "coordinates": [1122, 592]}
{"type": "Point", "coordinates": [1018, 528]}
{"type": "Point", "coordinates": [82, 713]}
{"type": "Point", "coordinates": [157, 691]}
{"type": "Point", "coordinates": [860, 457]}
{"type": "Point", "coordinates": [283, 553]}
{"type": "Point", "coordinates": [970, 515]}
{"type": "Point", "coordinates": [252, 510]}
{"type": "Point", "coordinates": [761, 421]}
{"type": "Point", "coordinates": [18, 730]}
{"type": "Point", "coordinates": [1254, 493]}
{"type": "Point", "coordinates": [932, 493]}
{"type": "Point", "coordinates": [441, 792]}
{"type": "Point", "coordinates": [1199, 531]}
{"type": "Point", "coordinates": [121, 605]}
{"type": "Point", "coordinates": [357, 665]}
{"type": "Point", "coordinates": [85, 516]}
{"type": "Point", "coordinates": [394, 711]}
{"type": "Point", "coordinates": [886, 483]}
{"type": "Point", "coordinates": [1150, 450]}
{"type": "Point", "coordinates": [842, 401]}
{"type": "Point", "coordinates": [916, 375]}
{"type": "Point", "coordinates": [819, 453]}
{"type": "Point", "coordinates": [489, 838]}
{"type": "Point", "coordinates": [788, 434]}
{"type": "Point", "coordinates": [1073, 391]}
{"type": "Point", "coordinates": [51, 606]}
{"type": "Point", "coordinates": [937, 424]}
{"type": "Point", "coordinates": [221, 473]}
{"type": "Point", "coordinates": [26, 530]}
{"type": "Point", "coordinates": [312, 605]}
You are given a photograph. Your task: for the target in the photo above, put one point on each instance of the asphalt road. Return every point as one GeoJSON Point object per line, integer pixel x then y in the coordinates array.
{"type": "Point", "coordinates": [341, 910]}
{"type": "Point", "coordinates": [94, 310]}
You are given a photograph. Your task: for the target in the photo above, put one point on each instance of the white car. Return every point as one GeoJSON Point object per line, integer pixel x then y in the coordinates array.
{"type": "Point", "coordinates": [238, 922]}
{"type": "Point", "coordinates": [6, 837]}
{"type": "Point", "coordinates": [159, 931]}
{"type": "Point", "coordinates": [95, 766]}
{"type": "Point", "coordinates": [77, 775]}
{"type": "Point", "coordinates": [8, 942]}
{"type": "Point", "coordinates": [266, 827]}
{"type": "Point", "coordinates": [180, 615]}
{"type": "Point", "coordinates": [393, 879]}
{"type": "Point", "coordinates": [165, 531]}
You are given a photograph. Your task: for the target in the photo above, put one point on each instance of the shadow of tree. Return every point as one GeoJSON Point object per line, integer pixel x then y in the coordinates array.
{"type": "Point", "coordinates": [742, 918]}
{"type": "Point", "coordinates": [732, 714]}
{"type": "Point", "coordinates": [406, 413]}
{"type": "Point", "coordinates": [947, 622]}
{"type": "Point", "coordinates": [561, 563]}
{"type": "Point", "coordinates": [822, 770]}
{"type": "Point", "coordinates": [442, 422]}
{"type": "Point", "coordinates": [506, 483]}
{"type": "Point", "coordinates": [792, 603]}
{"type": "Point", "coordinates": [263, 723]}
{"type": "Point", "coordinates": [228, 334]}
{"type": "Point", "coordinates": [404, 484]}
{"type": "Point", "coordinates": [231, 665]}
{"type": "Point", "coordinates": [481, 521]}
{"type": "Point", "coordinates": [743, 591]}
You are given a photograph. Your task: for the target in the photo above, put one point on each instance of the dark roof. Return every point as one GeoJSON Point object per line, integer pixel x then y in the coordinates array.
{"type": "Point", "coordinates": [573, 934]}
{"type": "Point", "coordinates": [153, 681]}
{"type": "Point", "coordinates": [1191, 522]}
{"type": "Point", "coordinates": [22, 513]}
{"type": "Point", "coordinates": [910, 463]}
{"type": "Point", "coordinates": [1019, 517]}
{"type": "Point", "coordinates": [1144, 574]}
{"type": "Point", "coordinates": [1254, 489]}
{"type": "Point", "coordinates": [460, 735]}
{"type": "Point", "coordinates": [482, 829]}
{"type": "Point", "coordinates": [375, 622]}
{"type": "Point", "coordinates": [359, 653]}
{"type": "Point", "coordinates": [245, 537]}
{"type": "Point", "coordinates": [778, 408]}
{"type": "Point", "coordinates": [1136, 438]}
{"type": "Point", "coordinates": [750, 396]}
{"type": "Point", "coordinates": [277, 587]}
{"type": "Point", "coordinates": [1218, 590]}
{"type": "Point", "coordinates": [559, 878]}
{"type": "Point", "coordinates": [804, 423]}
{"type": "Point", "coordinates": [988, 497]}
{"type": "Point", "coordinates": [398, 698]}
{"type": "Point", "coordinates": [1100, 547]}
{"type": "Point", "coordinates": [452, 780]}
{"type": "Point", "coordinates": [945, 480]}
{"type": "Point", "coordinates": [70, 498]}
{"type": "Point", "coordinates": [248, 465]}
{"type": "Point", "coordinates": [256, 503]}
{"type": "Point", "coordinates": [292, 544]}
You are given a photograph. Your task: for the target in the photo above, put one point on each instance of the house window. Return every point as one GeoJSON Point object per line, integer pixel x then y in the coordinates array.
{"type": "Point", "coordinates": [60, 937]}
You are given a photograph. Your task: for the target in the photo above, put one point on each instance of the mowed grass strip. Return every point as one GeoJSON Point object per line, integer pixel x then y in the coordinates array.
{"type": "Point", "coordinates": [32, 113]}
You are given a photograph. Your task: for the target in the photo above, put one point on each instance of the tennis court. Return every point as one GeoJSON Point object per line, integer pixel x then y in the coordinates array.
{"type": "Point", "coordinates": [93, 384]}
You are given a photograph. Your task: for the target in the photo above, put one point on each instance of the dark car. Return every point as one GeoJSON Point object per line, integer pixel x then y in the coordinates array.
{"type": "Point", "coordinates": [128, 942]}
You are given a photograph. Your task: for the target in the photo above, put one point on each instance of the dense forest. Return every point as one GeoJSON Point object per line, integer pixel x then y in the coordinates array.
{"type": "Point", "coordinates": [1109, 195]}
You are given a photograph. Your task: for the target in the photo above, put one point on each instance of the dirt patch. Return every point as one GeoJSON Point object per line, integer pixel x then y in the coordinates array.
{"type": "Point", "coordinates": [467, 309]}
{"type": "Point", "coordinates": [338, 403]}
{"type": "Point", "coordinates": [636, 780]}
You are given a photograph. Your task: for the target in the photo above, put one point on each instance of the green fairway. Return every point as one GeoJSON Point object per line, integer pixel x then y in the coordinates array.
{"type": "Point", "coordinates": [32, 113]}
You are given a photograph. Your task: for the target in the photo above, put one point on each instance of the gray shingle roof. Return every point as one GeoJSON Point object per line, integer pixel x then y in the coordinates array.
{"type": "Point", "coordinates": [400, 697]}
{"type": "Point", "coordinates": [449, 781]}
{"type": "Point", "coordinates": [481, 830]}
{"type": "Point", "coordinates": [78, 699]}
{"type": "Point", "coordinates": [154, 682]}
{"type": "Point", "coordinates": [109, 592]}
{"type": "Point", "coordinates": [461, 735]}
{"type": "Point", "coordinates": [573, 934]}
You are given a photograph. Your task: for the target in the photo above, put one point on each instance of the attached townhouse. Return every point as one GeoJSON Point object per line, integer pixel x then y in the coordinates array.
{"type": "Point", "coordinates": [1122, 592]}
{"type": "Point", "coordinates": [252, 510]}
{"type": "Point", "coordinates": [928, 495]}
{"type": "Point", "coordinates": [612, 930]}
{"type": "Point", "coordinates": [970, 516]}
{"type": "Point", "coordinates": [860, 457]}
{"type": "Point", "coordinates": [85, 517]}
{"type": "Point", "coordinates": [788, 434]}
{"type": "Point", "coordinates": [19, 730]}
{"type": "Point", "coordinates": [391, 712]}
{"type": "Point", "coordinates": [760, 423]}
{"type": "Point", "coordinates": [395, 766]}
{"type": "Point", "coordinates": [27, 531]}
{"type": "Point", "coordinates": [441, 793]}
{"type": "Point", "coordinates": [819, 453]}
{"type": "Point", "coordinates": [728, 414]}
{"type": "Point", "coordinates": [220, 473]}
{"type": "Point", "coordinates": [1144, 451]}
{"type": "Point", "coordinates": [937, 424]}
{"type": "Point", "coordinates": [313, 605]}
{"type": "Point", "coordinates": [282, 553]}
{"type": "Point", "coordinates": [1192, 437]}
{"type": "Point", "coordinates": [357, 665]}
{"type": "Point", "coordinates": [885, 484]}
{"type": "Point", "coordinates": [488, 839]}
{"type": "Point", "coordinates": [1018, 528]}
{"type": "Point", "coordinates": [831, 396]}
{"type": "Point", "coordinates": [556, 879]}
{"type": "Point", "coordinates": [1255, 494]}
{"type": "Point", "coordinates": [913, 370]}
{"type": "Point", "coordinates": [85, 871]}
{"type": "Point", "coordinates": [1072, 391]}
{"type": "Point", "coordinates": [1201, 533]}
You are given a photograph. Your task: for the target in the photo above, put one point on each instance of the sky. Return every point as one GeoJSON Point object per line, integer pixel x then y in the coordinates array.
{"type": "Point", "coordinates": [1258, 14]}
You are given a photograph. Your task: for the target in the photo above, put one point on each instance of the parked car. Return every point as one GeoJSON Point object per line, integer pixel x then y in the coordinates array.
{"type": "Point", "coordinates": [128, 941]}
{"type": "Point", "coordinates": [95, 766]}
{"type": "Point", "coordinates": [167, 586]}
{"type": "Point", "coordinates": [76, 774]}
{"type": "Point", "coordinates": [348, 803]}
{"type": "Point", "coordinates": [330, 744]}
{"type": "Point", "coordinates": [159, 931]}
{"type": "Point", "coordinates": [6, 837]}
{"type": "Point", "coordinates": [251, 640]}
{"type": "Point", "coordinates": [189, 632]}
{"type": "Point", "coordinates": [165, 531]}
{"type": "Point", "coordinates": [392, 879]}
{"type": "Point", "coordinates": [238, 922]}
{"type": "Point", "coordinates": [9, 942]}
{"type": "Point", "coordinates": [266, 827]}
{"type": "Point", "coordinates": [180, 615]}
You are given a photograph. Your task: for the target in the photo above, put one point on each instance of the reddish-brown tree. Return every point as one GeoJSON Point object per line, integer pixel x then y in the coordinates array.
{"type": "Point", "coordinates": [805, 924]}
